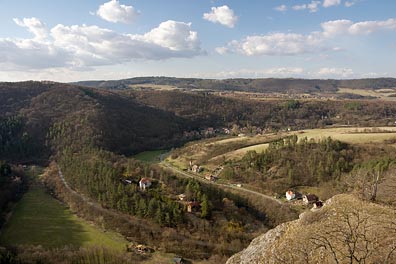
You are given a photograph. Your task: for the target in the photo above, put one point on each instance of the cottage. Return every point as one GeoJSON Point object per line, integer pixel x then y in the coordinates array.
{"type": "Point", "coordinates": [193, 206]}
{"type": "Point", "coordinates": [211, 178]}
{"type": "Point", "coordinates": [196, 168]}
{"type": "Point", "coordinates": [144, 183]}
{"type": "Point", "coordinates": [290, 195]}
{"type": "Point", "coordinates": [310, 198]}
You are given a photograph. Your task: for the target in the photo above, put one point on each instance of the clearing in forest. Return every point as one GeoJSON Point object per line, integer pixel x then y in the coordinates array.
{"type": "Point", "coordinates": [39, 219]}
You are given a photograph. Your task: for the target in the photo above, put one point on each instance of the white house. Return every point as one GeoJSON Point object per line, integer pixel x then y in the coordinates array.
{"type": "Point", "coordinates": [144, 183]}
{"type": "Point", "coordinates": [290, 195]}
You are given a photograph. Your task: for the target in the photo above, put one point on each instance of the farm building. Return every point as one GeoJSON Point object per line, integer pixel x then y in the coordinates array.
{"type": "Point", "coordinates": [196, 168]}
{"type": "Point", "coordinates": [310, 198]}
{"type": "Point", "coordinates": [291, 195]}
{"type": "Point", "coordinates": [193, 206]}
{"type": "Point", "coordinates": [211, 178]}
{"type": "Point", "coordinates": [144, 183]}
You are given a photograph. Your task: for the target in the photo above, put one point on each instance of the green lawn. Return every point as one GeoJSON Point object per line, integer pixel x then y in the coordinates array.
{"type": "Point", "coordinates": [149, 156]}
{"type": "Point", "coordinates": [39, 219]}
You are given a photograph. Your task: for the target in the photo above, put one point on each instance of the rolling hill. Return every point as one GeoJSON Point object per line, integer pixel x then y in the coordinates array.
{"type": "Point", "coordinates": [269, 85]}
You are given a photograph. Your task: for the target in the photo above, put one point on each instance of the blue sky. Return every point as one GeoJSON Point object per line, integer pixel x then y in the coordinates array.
{"type": "Point", "coordinates": [112, 39]}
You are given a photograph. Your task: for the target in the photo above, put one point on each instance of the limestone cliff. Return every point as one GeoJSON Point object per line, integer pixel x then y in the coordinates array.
{"type": "Point", "coordinates": [345, 230]}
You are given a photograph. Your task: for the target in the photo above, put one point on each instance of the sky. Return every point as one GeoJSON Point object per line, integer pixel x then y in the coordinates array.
{"type": "Point", "coordinates": [73, 40]}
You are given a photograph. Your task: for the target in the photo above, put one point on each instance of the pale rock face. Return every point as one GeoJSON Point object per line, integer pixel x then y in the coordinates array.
{"type": "Point", "coordinates": [314, 237]}
{"type": "Point", "coordinates": [258, 249]}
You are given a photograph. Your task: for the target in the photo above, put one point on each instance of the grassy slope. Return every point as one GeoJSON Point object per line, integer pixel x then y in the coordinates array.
{"type": "Point", "coordinates": [149, 156]}
{"type": "Point", "coordinates": [210, 152]}
{"type": "Point", "coordinates": [39, 219]}
{"type": "Point", "coordinates": [348, 135]}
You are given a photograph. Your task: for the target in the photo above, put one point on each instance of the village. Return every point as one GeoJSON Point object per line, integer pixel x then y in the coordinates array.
{"type": "Point", "coordinates": [308, 200]}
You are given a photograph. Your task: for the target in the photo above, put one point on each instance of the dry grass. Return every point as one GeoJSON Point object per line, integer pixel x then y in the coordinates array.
{"type": "Point", "coordinates": [345, 229]}
{"type": "Point", "coordinates": [200, 149]}
{"type": "Point", "coordinates": [211, 153]}
{"type": "Point", "coordinates": [155, 87]}
{"type": "Point", "coordinates": [380, 93]}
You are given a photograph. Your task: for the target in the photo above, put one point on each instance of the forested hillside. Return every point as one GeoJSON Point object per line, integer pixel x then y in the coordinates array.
{"type": "Point", "coordinates": [126, 122]}
{"type": "Point", "coordinates": [291, 163]}
{"type": "Point", "coordinates": [207, 110]}
{"type": "Point", "coordinates": [84, 130]}
{"type": "Point", "coordinates": [91, 133]}
{"type": "Point", "coordinates": [251, 85]}
{"type": "Point", "coordinates": [116, 122]}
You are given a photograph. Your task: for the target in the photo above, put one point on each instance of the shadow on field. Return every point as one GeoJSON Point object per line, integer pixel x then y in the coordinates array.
{"type": "Point", "coordinates": [39, 219]}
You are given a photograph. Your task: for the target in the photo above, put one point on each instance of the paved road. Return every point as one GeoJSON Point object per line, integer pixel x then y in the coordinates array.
{"type": "Point", "coordinates": [229, 186]}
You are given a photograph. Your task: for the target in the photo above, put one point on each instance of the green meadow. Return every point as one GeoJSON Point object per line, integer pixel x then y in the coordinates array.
{"type": "Point", "coordinates": [39, 219]}
{"type": "Point", "coordinates": [150, 156]}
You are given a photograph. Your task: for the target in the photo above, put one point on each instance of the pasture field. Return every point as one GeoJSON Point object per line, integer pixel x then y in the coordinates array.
{"type": "Point", "coordinates": [154, 86]}
{"type": "Point", "coordinates": [380, 93]}
{"type": "Point", "coordinates": [150, 156]}
{"type": "Point", "coordinates": [363, 135]}
{"type": "Point", "coordinates": [235, 148]}
{"type": "Point", "coordinates": [210, 152]}
{"type": "Point", "coordinates": [39, 219]}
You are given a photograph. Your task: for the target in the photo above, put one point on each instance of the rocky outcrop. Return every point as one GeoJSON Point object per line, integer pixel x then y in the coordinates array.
{"type": "Point", "coordinates": [327, 234]}
{"type": "Point", "coordinates": [260, 248]}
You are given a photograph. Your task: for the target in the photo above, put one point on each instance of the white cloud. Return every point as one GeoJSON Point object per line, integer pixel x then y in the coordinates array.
{"type": "Point", "coordinates": [338, 27]}
{"type": "Point", "coordinates": [335, 73]}
{"type": "Point", "coordinates": [114, 12]}
{"type": "Point", "coordinates": [31, 54]}
{"type": "Point", "coordinates": [255, 73]}
{"type": "Point", "coordinates": [367, 27]}
{"type": "Point", "coordinates": [288, 44]}
{"type": "Point", "coordinates": [222, 15]}
{"type": "Point", "coordinates": [281, 8]}
{"type": "Point", "coordinates": [176, 36]}
{"type": "Point", "coordinates": [221, 50]}
{"type": "Point", "coordinates": [329, 3]}
{"type": "Point", "coordinates": [85, 46]}
{"type": "Point", "coordinates": [35, 26]}
{"type": "Point", "coordinates": [290, 72]}
{"type": "Point", "coordinates": [275, 44]}
{"type": "Point", "coordinates": [312, 7]}
{"type": "Point", "coordinates": [286, 71]}
{"type": "Point", "coordinates": [299, 7]}
{"type": "Point", "coordinates": [351, 3]}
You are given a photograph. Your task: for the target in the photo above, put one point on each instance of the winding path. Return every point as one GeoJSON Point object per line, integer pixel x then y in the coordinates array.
{"type": "Point", "coordinates": [84, 198]}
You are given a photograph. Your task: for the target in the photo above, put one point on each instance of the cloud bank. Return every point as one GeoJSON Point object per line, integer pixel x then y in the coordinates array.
{"type": "Point", "coordinates": [86, 46]}
{"type": "Point", "coordinates": [288, 44]}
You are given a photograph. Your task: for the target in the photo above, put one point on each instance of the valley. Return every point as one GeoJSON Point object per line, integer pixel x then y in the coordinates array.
{"type": "Point", "coordinates": [181, 173]}
{"type": "Point", "coordinates": [198, 132]}
{"type": "Point", "coordinates": [39, 219]}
